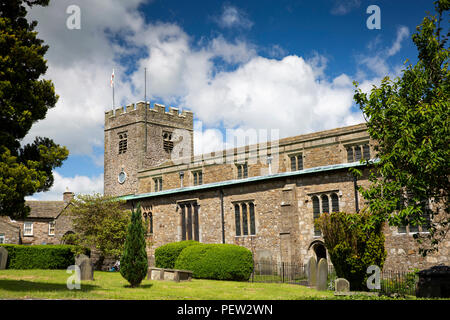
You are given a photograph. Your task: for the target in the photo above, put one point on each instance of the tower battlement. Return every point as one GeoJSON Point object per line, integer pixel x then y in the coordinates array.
{"type": "Point", "coordinates": [158, 114]}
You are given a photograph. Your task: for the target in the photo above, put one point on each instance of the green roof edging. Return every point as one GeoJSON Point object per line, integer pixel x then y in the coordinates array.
{"type": "Point", "coordinates": [246, 180]}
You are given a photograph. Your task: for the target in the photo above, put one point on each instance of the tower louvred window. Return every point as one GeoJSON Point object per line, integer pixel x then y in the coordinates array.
{"type": "Point", "coordinates": [123, 144]}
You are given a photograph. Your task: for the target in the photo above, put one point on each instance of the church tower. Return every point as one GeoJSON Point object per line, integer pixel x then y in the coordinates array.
{"type": "Point", "coordinates": [139, 137]}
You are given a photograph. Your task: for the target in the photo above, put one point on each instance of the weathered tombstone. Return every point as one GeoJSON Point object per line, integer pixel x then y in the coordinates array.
{"type": "Point", "coordinates": [322, 274]}
{"type": "Point", "coordinates": [312, 271]}
{"type": "Point", "coordinates": [86, 268]}
{"type": "Point", "coordinates": [341, 285]}
{"type": "Point", "coordinates": [3, 258]}
{"type": "Point", "coordinates": [80, 258]}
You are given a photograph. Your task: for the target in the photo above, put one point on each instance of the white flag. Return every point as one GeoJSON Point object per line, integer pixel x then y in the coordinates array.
{"type": "Point", "coordinates": [112, 79]}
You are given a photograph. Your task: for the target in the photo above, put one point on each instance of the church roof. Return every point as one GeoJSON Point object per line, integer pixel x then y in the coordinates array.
{"type": "Point", "coordinates": [247, 180]}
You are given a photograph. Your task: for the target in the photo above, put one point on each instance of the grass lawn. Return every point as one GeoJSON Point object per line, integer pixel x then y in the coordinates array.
{"type": "Point", "coordinates": [51, 284]}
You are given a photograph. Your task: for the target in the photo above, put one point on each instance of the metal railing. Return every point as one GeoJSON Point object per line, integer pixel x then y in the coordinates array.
{"type": "Point", "coordinates": [391, 282]}
{"type": "Point", "coordinates": [281, 272]}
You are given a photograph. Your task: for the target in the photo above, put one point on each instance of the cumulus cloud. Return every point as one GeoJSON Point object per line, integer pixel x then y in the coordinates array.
{"type": "Point", "coordinates": [342, 7]}
{"type": "Point", "coordinates": [77, 184]}
{"type": "Point", "coordinates": [243, 91]}
{"type": "Point", "coordinates": [233, 17]}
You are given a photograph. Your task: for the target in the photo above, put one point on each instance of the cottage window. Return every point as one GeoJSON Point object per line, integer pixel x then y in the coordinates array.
{"type": "Point", "coordinates": [2, 238]}
{"type": "Point", "coordinates": [28, 229]}
{"type": "Point", "coordinates": [51, 228]}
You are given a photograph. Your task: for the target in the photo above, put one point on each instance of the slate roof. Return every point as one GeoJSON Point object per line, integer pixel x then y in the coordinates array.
{"type": "Point", "coordinates": [45, 209]}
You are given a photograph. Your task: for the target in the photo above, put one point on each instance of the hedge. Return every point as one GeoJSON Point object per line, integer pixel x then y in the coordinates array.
{"type": "Point", "coordinates": [41, 256]}
{"type": "Point", "coordinates": [166, 255]}
{"type": "Point", "coordinates": [217, 261]}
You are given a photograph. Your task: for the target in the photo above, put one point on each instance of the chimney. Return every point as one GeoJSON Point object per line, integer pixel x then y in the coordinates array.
{"type": "Point", "coordinates": [67, 196]}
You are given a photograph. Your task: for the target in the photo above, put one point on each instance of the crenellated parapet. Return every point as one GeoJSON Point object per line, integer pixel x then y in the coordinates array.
{"type": "Point", "coordinates": [136, 112]}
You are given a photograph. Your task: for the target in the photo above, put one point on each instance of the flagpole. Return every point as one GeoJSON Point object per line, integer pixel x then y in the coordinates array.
{"type": "Point", "coordinates": [145, 103]}
{"type": "Point", "coordinates": [112, 85]}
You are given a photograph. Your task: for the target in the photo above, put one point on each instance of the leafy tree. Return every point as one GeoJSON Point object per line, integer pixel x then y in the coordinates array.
{"type": "Point", "coordinates": [409, 118]}
{"type": "Point", "coordinates": [24, 99]}
{"type": "Point", "coordinates": [134, 263]}
{"type": "Point", "coordinates": [99, 222]}
{"type": "Point", "coordinates": [354, 242]}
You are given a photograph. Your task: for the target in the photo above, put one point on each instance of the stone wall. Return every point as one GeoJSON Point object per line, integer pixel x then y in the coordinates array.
{"type": "Point", "coordinates": [10, 231]}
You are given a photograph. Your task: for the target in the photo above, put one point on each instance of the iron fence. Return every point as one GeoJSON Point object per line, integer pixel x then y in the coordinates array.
{"type": "Point", "coordinates": [391, 282]}
{"type": "Point", "coordinates": [282, 272]}
{"type": "Point", "coordinates": [398, 282]}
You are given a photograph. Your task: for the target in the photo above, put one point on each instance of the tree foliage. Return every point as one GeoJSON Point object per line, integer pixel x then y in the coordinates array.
{"type": "Point", "coordinates": [354, 242]}
{"type": "Point", "coordinates": [99, 222]}
{"type": "Point", "coordinates": [409, 119]}
{"type": "Point", "coordinates": [134, 262]}
{"type": "Point", "coordinates": [25, 99]}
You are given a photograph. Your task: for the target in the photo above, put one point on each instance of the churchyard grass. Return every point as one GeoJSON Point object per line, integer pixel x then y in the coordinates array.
{"type": "Point", "coordinates": [51, 284]}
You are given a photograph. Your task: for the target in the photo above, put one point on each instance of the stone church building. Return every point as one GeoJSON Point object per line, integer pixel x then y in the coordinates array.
{"type": "Point", "coordinates": [264, 195]}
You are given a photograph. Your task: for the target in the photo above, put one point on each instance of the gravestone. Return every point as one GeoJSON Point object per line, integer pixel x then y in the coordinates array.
{"type": "Point", "coordinates": [341, 285]}
{"type": "Point", "coordinates": [322, 274]}
{"type": "Point", "coordinates": [3, 258]}
{"type": "Point", "coordinates": [86, 268]}
{"type": "Point", "coordinates": [80, 258]}
{"type": "Point", "coordinates": [312, 271]}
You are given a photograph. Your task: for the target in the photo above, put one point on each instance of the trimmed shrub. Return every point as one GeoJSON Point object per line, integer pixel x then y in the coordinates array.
{"type": "Point", "coordinates": [166, 255]}
{"type": "Point", "coordinates": [41, 256]}
{"type": "Point", "coordinates": [217, 261]}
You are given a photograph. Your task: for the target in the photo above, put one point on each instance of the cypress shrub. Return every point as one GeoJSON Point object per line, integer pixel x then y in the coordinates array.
{"type": "Point", "coordinates": [217, 261]}
{"type": "Point", "coordinates": [166, 255]}
{"type": "Point", "coordinates": [134, 263]}
{"type": "Point", "coordinates": [42, 256]}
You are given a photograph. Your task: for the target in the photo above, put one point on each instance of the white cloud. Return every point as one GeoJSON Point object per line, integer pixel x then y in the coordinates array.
{"type": "Point", "coordinates": [402, 33]}
{"type": "Point", "coordinates": [377, 61]}
{"type": "Point", "coordinates": [76, 184]}
{"type": "Point", "coordinates": [234, 17]}
{"type": "Point", "coordinates": [342, 7]}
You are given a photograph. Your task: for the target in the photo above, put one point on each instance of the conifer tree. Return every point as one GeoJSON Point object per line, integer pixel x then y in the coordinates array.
{"type": "Point", "coordinates": [134, 263]}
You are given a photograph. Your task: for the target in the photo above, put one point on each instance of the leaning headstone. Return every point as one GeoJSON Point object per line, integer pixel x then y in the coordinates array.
{"type": "Point", "coordinates": [312, 271]}
{"type": "Point", "coordinates": [86, 269]}
{"type": "Point", "coordinates": [3, 258]}
{"type": "Point", "coordinates": [80, 258]}
{"type": "Point", "coordinates": [322, 274]}
{"type": "Point", "coordinates": [341, 285]}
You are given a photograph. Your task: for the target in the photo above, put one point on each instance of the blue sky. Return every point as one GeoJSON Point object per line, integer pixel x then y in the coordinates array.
{"type": "Point", "coordinates": [238, 65]}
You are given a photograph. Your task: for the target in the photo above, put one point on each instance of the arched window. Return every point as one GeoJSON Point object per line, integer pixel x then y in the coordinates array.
{"type": "Point", "coordinates": [325, 204]}
{"type": "Point", "coordinates": [237, 218]}
{"type": "Point", "coordinates": [244, 219]}
{"type": "Point", "coordinates": [334, 203]}
{"type": "Point", "coordinates": [316, 214]}
{"type": "Point", "coordinates": [251, 208]}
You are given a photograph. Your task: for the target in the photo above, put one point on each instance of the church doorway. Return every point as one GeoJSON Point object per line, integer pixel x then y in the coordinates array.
{"type": "Point", "coordinates": [319, 249]}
